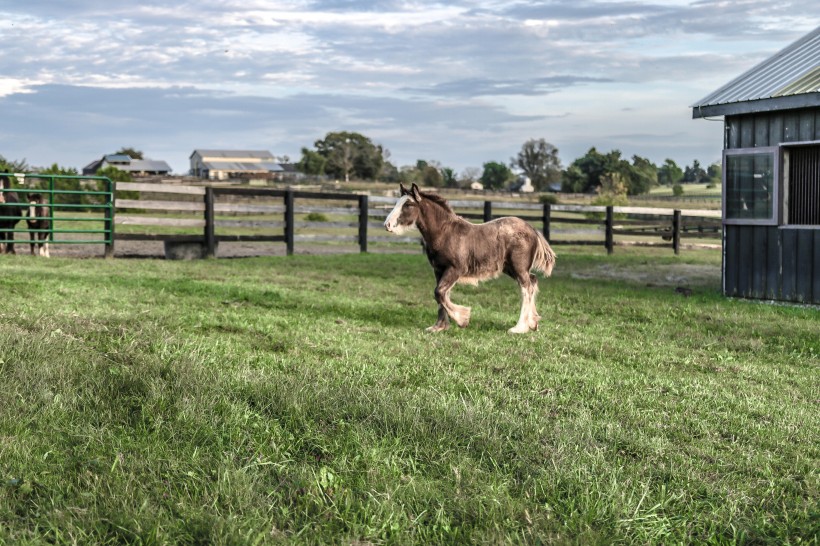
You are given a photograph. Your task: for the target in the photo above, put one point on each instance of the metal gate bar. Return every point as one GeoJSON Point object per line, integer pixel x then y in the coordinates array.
{"type": "Point", "coordinates": [52, 194]}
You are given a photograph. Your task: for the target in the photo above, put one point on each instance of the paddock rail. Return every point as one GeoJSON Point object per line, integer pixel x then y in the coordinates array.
{"type": "Point", "coordinates": [211, 215]}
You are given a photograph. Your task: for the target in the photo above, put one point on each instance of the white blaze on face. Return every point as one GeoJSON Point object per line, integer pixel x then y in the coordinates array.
{"type": "Point", "coordinates": [392, 222]}
{"type": "Point", "coordinates": [32, 211]}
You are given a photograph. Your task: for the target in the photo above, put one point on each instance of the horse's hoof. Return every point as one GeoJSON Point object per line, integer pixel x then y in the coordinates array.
{"type": "Point", "coordinates": [519, 330]}
{"type": "Point", "coordinates": [462, 317]}
{"type": "Point", "coordinates": [436, 328]}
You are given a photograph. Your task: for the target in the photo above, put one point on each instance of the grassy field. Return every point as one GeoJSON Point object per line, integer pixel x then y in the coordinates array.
{"type": "Point", "coordinates": [298, 400]}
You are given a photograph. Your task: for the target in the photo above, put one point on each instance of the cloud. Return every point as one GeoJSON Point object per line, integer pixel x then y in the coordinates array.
{"type": "Point", "coordinates": [477, 87]}
{"type": "Point", "coordinates": [462, 82]}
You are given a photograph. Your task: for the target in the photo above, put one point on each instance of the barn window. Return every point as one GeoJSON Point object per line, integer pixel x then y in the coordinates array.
{"type": "Point", "coordinates": [802, 185]}
{"type": "Point", "coordinates": [750, 185]}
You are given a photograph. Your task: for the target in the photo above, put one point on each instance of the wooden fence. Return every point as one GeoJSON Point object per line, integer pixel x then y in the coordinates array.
{"type": "Point", "coordinates": [211, 215]}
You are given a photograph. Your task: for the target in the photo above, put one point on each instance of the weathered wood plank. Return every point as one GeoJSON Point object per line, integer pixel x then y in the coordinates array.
{"type": "Point", "coordinates": [325, 238]}
{"type": "Point", "coordinates": [249, 209]}
{"type": "Point", "coordinates": [815, 287]}
{"type": "Point", "coordinates": [160, 188]}
{"type": "Point", "coordinates": [128, 220]}
{"type": "Point", "coordinates": [758, 261]}
{"type": "Point", "coordinates": [789, 264]}
{"type": "Point", "coordinates": [730, 260]}
{"type": "Point", "coordinates": [804, 269]}
{"type": "Point", "coordinates": [248, 224]}
{"type": "Point", "coordinates": [773, 276]}
{"type": "Point", "coordinates": [189, 206]}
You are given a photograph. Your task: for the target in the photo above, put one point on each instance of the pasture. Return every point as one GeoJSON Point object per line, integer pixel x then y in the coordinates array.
{"type": "Point", "coordinates": [299, 400]}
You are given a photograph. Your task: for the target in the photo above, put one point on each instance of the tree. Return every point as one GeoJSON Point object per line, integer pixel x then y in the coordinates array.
{"type": "Point", "coordinates": [669, 173]}
{"type": "Point", "coordinates": [643, 176]}
{"type": "Point", "coordinates": [312, 163]}
{"type": "Point", "coordinates": [19, 166]}
{"type": "Point", "coordinates": [351, 154]}
{"type": "Point", "coordinates": [539, 161]}
{"type": "Point", "coordinates": [584, 174]}
{"type": "Point", "coordinates": [130, 152]}
{"type": "Point", "coordinates": [694, 174]}
{"type": "Point", "coordinates": [448, 177]}
{"type": "Point", "coordinates": [496, 175]}
{"type": "Point", "coordinates": [431, 176]}
{"type": "Point", "coordinates": [714, 174]}
{"type": "Point", "coordinates": [612, 190]}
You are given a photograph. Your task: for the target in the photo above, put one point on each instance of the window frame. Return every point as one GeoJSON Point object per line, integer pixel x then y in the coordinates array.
{"type": "Point", "coordinates": [784, 181]}
{"type": "Point", "coordinates": [777, 190]}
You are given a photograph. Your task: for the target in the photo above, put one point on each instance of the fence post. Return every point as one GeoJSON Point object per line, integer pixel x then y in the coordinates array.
{"type": "Point", "coordinates": [363, 215]}
{"type": "Point", "coordinates": [676, 228]}
{"type": "Point", "coordinates": [546, 219]}
{"type": "Point", "coordinates": [290, 224]}
{"type": "Point", "coordinates": [488, 211]}
{"type": "Point", "coordinates": [108, 223]}
{"type": "Point", "coordinates": [609, 241]}
{"type": "Point", "coordinates": [210, 230]}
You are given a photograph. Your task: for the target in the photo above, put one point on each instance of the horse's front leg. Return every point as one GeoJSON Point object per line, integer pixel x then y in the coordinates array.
{"type": "Point", "coordinates": [529, 317]}
{"type": "Point", "coordinates": [446, 308]}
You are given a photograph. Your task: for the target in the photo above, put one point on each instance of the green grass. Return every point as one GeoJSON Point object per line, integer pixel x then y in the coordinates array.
{"type": "Point", "coordinates": [298, 400]}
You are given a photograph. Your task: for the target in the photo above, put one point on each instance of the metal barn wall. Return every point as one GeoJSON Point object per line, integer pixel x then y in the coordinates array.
{"type": "Point", "coordinates": [770, 262]}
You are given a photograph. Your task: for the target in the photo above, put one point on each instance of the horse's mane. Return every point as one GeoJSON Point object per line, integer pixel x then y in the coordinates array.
{"type": "Point", "coordinates": [438, 200]}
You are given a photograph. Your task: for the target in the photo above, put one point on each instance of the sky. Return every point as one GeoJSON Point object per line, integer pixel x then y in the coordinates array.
{"type": "Point", "coordinates": [461, 82]}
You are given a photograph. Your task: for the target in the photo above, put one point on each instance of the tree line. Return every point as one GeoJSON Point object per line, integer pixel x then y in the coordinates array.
{"type": "Point", "coordinates": [349, 155]}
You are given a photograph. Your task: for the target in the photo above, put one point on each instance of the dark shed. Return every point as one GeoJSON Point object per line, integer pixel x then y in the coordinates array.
{"type": "Point", "coordinates": [771, 175]}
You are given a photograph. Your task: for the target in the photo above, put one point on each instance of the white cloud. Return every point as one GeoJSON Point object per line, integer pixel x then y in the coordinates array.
{"type": "Point", "coordinates": [462, 82]}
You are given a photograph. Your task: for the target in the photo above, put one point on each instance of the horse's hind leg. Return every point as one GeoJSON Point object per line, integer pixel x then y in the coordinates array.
{"type": "Point", "coordinates": [529, 317]}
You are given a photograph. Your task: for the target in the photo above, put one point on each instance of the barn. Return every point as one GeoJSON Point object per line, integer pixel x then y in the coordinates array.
{"type": "Point", "coordinates": [771, 175]}
{"type": "Point", "coordinates": [227, 164]}
{"type": "Point", "coordinates": [124, 162]}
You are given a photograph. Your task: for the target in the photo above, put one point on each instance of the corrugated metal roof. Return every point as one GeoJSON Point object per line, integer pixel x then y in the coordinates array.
{"type": "Point", "coordinates": [792, 71]}
{"type": "Point", "coordinates": [257, 154]}
{"type": "Point", "coordinates": [148, 165]}
{"type": "Point", "coordinates": [240, 167]}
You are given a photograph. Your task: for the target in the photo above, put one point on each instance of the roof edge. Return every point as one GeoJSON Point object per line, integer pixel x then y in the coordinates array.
{"type": "Point", "coordinates": [790, 102]}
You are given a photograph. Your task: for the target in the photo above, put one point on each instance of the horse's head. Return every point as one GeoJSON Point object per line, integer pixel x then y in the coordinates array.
{"type": "Point", "coordinates": [404, 215]}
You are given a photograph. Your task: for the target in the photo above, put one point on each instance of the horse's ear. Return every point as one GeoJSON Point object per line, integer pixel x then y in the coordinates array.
{"type": "Point", "coordinates": [402, 190]}
{"type": "Point", "coordinates": [415, 192]}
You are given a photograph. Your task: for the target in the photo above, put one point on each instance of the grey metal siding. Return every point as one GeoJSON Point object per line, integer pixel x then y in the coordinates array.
{"type": "Point", "coordinates": [768, 262]}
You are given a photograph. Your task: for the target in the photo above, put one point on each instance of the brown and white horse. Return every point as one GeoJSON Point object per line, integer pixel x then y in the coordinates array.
{"type": "Point", "coordinates": [463, 252]}
{"type": "Point", "coordinates": [39, 224]}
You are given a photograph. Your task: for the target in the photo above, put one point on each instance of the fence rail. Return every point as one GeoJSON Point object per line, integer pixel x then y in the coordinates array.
{"type": "Point", "coordinates": [210, 215]}
{"type": "Point", "coordinates": [283, 216]}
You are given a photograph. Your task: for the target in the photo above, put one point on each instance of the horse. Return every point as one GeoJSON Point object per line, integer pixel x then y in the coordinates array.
{"type": "Point", "coordinates": [8, 207]}
{"type": "Point", "coordinates": [462, 252]}
{"type": "Point", "coordinates": [39, 224]}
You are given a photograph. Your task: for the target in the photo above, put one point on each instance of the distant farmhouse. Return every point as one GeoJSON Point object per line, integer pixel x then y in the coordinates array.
{"type": "Point", "coordinates": [124, 162]}
{"type": "Point", "coordinates": [232, 164]}
{"type": "Point", "coordinates": [771, 175]}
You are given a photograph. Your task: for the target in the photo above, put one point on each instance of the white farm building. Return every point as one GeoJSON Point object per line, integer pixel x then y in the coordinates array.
{"type": "Point", "coordinates": [227, 164]}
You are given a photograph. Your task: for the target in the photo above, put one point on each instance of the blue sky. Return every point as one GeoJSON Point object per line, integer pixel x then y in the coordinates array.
{"type": "Point", "coordinates": [461, 82]}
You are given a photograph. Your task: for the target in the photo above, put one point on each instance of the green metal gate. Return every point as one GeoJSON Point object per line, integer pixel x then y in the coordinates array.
{"type": "Point", "coordinates": [81, 208]}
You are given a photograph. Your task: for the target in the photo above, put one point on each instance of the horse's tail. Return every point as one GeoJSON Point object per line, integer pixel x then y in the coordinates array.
{"type": "Point", "coordinates": [544, 259]}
